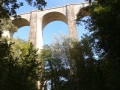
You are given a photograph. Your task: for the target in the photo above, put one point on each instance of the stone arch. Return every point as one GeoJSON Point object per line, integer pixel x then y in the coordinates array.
{"type": "Point", "coordinates": [21, 22]}
{"type": "Point", "coordinates": [53, 16]}
{"type": "Point", "coordinates": [17, 22]}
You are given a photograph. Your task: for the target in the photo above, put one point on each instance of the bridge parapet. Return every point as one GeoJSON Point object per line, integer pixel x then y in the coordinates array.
{"type": "Point", "coordinates": [38, 19]}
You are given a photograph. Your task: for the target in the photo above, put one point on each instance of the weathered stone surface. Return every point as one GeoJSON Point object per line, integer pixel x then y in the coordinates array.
{"type": "Point", "coordinates": [38, 19]}
{"type": "Point", "coordinates": [33, 27]}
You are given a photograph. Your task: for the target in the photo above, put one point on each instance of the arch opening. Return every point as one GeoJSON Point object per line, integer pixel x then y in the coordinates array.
{"type": "Point", "coordinates": [22, 33]}
{"type": "Point", "coordinates": [82, 30]}
{"type": "Point", "coordinates": [23, 29]}
{"type": "Point", "coordinates": [53, 16]}
{"type": "Point", "coordinates": [54, 28]}
{"type": "Point", "coordinates": [21, 22]}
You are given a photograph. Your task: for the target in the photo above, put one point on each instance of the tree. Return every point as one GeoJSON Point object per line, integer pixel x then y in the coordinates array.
{"type": "Point", "coordinates": [56, 65]}
{"type": "Point", "coordinates": [19, 63]}
{"type": "Point", "coordinates": [19, 66]}
{"type": "Point", "coordinates": [8, 7]}
{"type": "Point", "coordinates": [75, 62]}
{"type": "Point", "coordinates": [7, 25]}
{"type": "Point", "coordinates": [104, 23]}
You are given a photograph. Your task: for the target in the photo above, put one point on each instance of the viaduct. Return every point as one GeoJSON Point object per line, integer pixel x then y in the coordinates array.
{"type": "Point", "coordinates": [37, 20]}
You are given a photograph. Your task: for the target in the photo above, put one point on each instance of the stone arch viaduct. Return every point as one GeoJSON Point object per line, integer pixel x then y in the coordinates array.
{"type": "Point", "coordinates": [38, 19]}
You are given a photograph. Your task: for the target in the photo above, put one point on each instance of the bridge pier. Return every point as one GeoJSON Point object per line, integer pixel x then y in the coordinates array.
{"type": "Point", "coordinates": [38, 19]}
{"type": "Point", "coordinates": [8, 34]}
{"type": "Point", "coordinates": [36, 32]}
{"type": "Point", "coordinates": [33, 28]}
{"type": "Point", "coordinates": [71, 22]}
{"type": "Point", "coordinates": [39, 42]}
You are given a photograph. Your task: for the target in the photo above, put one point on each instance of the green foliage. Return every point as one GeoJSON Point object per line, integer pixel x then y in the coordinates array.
{"type": "Point", "coordinates": [104, 22]}
{"type": "Point", "coordinates": [8, 7]}
{"type": "Point", "coordinates": [19, 66]}
{"type": "Point", "coordinates": [91, 64]}
{"type": "Point", "coordinates": [76, 64]}
{"type": "Point", "coordinates": [86, 74]}
{"type": "Point", "coordinates": [19, 63]}
{"type": "Point", "coordinates": [6, 24]}
{"type": "Point", "coordinates": [56, 63]}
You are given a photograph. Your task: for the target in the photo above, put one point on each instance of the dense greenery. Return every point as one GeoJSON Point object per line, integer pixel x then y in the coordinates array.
{"type": "Point", "coordinates": [94, 62]}
{"type": "Point", "coordinates": [19, 62]}
{"type": "Point", "coordinates": [66, 64]}
{"type": "Point", "coordinates": [104, 22]}
{"type": "Point", "coordinates": [8, 7]}
{"type": "Point", "coordinates": [71, 65]}
{"type": "Point", "coordinates": [56, 64]}
{"type": "Point", "coordinates": [19, 65]}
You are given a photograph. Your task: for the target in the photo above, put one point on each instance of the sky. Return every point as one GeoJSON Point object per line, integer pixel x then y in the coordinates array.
{"type": "Point", "coordinates": [52, 28]}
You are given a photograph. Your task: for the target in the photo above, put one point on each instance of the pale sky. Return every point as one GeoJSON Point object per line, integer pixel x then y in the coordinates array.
{"type": "Point", "coordinates": [53, 27]}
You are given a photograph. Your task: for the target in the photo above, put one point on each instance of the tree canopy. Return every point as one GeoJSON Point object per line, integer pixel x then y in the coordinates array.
{"type": "Point", "coordinates": [19, 65]}
{"type": "Point", "coordinates": [8, 7]}
{"type": "Point", "coordinates": [90, 64]}
{"type": "Point", "coordinates": [104, 22]}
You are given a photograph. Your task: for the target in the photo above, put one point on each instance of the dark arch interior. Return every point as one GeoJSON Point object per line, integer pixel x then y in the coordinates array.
{"type": "Point", "coordinates": [23, 29]}
{"type": "Point", "coordinates": [21, 22]}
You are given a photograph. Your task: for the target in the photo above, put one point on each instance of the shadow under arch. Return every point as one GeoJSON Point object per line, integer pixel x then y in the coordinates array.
{"type": "Point", "coordinates": [21, 22]}
{"type": "Point", "coordinates": [53, 16]}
